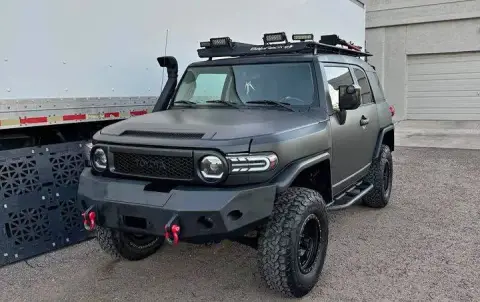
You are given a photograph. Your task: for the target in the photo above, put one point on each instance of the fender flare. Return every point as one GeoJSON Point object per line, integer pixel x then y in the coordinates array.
{"type": "Point", "coordinates": [381, 135]}
{"type": "Point", "coordinates": [288, 175]}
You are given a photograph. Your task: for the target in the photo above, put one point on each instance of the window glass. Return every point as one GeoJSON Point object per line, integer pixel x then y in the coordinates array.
{"type": "Point", "coordinates": [208, 86]}
{"type": "Point", "coordinates": [337, 76]}
{"type": "Point", "coordinates": [287, 82]}
{"type": "Point", "coordinates": [364, 85]}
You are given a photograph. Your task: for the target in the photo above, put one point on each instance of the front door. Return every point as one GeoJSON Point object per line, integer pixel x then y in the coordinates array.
{"type": "Point", "coordinates": [354, 132]}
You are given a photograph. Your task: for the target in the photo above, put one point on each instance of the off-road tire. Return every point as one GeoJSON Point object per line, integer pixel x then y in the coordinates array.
{"type": "Point", "coordinates": [278, 240]}
{"type": "Point", "coordinates": [379, 197]}
{"type": "Point", "coordinates": [119, 245]}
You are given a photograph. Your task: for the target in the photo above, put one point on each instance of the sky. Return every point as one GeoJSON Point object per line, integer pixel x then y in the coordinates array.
{"type": "Point", "coordinates": [62, 49]}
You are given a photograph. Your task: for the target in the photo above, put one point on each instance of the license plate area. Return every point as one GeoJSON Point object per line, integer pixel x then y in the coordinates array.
{"type": "Point", "coordinates": [135, 222]}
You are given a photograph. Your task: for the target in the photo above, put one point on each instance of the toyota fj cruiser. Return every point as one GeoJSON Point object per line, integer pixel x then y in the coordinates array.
{"type": "Point", "coordinates": [253, 147]}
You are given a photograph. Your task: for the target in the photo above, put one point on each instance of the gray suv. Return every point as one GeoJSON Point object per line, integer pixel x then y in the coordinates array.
{"type": "Point", "coordinates": [254, 145]}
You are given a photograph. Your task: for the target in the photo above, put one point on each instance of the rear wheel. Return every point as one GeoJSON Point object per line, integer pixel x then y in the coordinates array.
{"type": "Point", "coordinates": [381, 177]}
{"type": "Point", "coordinates": [293, 244]}
{"type": "Point", "coordinates": [127, 245]}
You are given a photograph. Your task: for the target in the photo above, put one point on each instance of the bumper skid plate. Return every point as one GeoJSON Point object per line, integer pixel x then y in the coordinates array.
{"type": "Point", "coordinates": [190, 214]}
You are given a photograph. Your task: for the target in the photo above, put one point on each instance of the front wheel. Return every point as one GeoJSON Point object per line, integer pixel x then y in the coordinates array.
{"type": "Point", "coordinates": [293, 244]}
{"type": "Point", "coordinates": [122, 245]}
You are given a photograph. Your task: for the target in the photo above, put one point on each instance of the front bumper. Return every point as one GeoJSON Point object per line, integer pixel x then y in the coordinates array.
{"type": "Point", "coordinates": [203, 213]}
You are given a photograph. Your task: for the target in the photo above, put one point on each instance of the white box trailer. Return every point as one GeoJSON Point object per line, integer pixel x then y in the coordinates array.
{"type": "Point", "coordinates": [67, 68]}
{"type": "Point", "coordinates": [65, 62]}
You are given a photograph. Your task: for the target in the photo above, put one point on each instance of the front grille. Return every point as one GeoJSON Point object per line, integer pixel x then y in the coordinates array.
{"type": "Point", "coordinates": [155, 166]}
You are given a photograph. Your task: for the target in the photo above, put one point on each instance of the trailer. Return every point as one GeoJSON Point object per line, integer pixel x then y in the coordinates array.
{"type": "Point", "coordinates": [69, 68]}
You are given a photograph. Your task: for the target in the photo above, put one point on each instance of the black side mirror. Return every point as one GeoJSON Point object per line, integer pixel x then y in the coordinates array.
{"type": "Point", "coordinates": [349, 97]}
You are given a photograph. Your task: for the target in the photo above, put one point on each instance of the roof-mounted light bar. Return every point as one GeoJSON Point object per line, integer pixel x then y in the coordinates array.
{"type": "Point", "coordinates": [275, 37]}
{"type": "Point", "coordinates": [302, 37]}
{"type": "Point", "coordinates": [304, 44]}
{"type": "Point", "coordinates": [221, 42]}
{"type": "Point", "coordinates": [217, 42]}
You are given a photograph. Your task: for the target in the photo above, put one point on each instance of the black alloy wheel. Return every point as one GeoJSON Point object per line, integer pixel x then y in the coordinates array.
{"type": "Point", "coordinates": [308, 244]}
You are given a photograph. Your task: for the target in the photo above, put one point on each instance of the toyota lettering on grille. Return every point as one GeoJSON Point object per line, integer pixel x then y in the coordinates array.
{"type": "Point", "coordinates": [157, 164]}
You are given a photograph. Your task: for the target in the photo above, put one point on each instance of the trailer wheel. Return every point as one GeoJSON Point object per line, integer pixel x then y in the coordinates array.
{"type": "Point", "coordinates": [293, 245]}
{"type": "Point", "coordinates": [122, 245]}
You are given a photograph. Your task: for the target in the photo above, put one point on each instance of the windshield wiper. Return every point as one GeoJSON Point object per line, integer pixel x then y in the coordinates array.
{"type": "Point", "coordinates": [272, 102]}
{"type": "Point", "coordinates": [185, 102]}
{"type": "Point", "coordinates": [223, 102]}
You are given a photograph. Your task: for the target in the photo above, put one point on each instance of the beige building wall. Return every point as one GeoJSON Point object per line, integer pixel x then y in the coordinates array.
{"type": "Point", "coordinates": [401, 32]}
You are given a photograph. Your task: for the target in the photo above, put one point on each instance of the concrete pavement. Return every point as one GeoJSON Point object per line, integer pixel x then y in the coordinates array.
{"type": "Point", "coordinates": [438, 134]}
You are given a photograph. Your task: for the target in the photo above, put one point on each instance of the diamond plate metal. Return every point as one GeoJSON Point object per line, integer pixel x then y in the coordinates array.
{"type": "Point", "coordinates": [38, 207]}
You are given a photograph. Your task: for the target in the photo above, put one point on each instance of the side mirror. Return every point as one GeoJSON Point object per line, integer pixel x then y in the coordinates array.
{"type": "Point", "coordinates": [349, 97]}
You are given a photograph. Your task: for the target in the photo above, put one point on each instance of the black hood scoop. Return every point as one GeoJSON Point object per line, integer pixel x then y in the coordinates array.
{"type": "Point", "coordinates": [164, 135]}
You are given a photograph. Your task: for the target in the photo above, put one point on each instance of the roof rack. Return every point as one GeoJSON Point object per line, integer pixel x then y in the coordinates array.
{"type": "Point", "coordinates": [277, 43]}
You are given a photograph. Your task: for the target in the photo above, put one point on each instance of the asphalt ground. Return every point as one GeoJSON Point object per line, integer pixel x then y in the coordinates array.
{"type": "Point", "coordinates": [424, 246]}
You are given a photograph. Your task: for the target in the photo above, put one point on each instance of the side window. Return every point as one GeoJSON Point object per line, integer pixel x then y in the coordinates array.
{"type": "Point", "coordinates": [377, 89]}
{"type": "Point", "coordinates": [337, 76]}
{"type": "Point", "coordinates": [209, 86]}
{"type": "Point", "coordinates": [364, 84]}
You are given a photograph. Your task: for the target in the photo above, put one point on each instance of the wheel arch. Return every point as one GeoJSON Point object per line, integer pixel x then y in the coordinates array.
{"type": "Point", "coordinates": [313, 172]}
{"type": "Point", "coordinates": [385, 137]}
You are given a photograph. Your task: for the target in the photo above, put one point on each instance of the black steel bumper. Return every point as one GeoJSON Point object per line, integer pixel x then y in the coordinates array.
{"type": "Point", "coordinates": [202, 213]}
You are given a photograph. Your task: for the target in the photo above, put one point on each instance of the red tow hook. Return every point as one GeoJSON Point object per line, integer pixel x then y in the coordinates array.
{"type": "Point", "coordinates": [173, 227]}
{"type": "Point", "coordinates": [89, 217]}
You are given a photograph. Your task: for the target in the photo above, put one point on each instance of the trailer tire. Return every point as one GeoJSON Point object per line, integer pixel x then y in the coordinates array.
{"type": "Point", "coordinates": [121, 245]}
{"type": "Point", "coordinates": [281, 246]}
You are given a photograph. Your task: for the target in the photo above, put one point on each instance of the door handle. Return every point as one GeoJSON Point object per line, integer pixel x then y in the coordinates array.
{"type": "Point", "coordinates": [364, 121]}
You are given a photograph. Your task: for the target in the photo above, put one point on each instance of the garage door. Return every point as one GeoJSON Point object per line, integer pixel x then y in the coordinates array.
{"type": "Point", "coordinates": [444, 87]}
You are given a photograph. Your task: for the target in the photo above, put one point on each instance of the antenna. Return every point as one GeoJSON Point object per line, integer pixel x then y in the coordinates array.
{"type": "Point", "coordinates": [165, 54]}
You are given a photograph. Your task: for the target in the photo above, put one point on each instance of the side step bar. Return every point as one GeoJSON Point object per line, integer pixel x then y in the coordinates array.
{"type": "Point", "coordinates": [350, 197]}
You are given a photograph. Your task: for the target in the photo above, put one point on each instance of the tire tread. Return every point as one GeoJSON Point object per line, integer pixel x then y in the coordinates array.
{"type": "Point", "coordinates": [375, 198]}
{"type": "Point", "coordinates": [274, 240]}
{"type": "Point", "coordinates": [115, 245]}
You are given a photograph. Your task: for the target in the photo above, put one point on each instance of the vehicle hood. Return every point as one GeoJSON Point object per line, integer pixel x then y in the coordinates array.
{"type": "Point", "coordinates": [212, 123]}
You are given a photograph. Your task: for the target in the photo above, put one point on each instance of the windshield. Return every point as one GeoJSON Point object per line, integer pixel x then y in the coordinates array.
{"type": "Point", "coordinates": [289, 83]}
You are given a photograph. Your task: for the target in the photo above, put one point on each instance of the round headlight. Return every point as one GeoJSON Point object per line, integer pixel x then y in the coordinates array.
{"type": "Point", "coordinates": [99, 159]}
{"type": "Point", "coordinates": [212, 167]}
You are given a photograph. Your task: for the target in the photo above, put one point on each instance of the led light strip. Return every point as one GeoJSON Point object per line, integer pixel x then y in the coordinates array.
{"type": "Point", "coordinates": [252, 163]}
